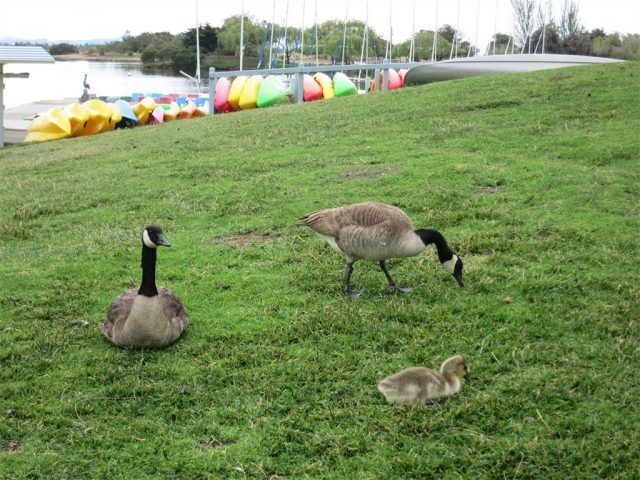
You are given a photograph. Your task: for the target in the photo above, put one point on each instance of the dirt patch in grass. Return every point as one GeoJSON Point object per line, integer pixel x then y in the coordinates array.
{"type": "Point", "coordinates": [487, 190]}
{"type": "Point", "coordinates": [374, 172]}
{"type": "Point", "coordinates": [544, 234]}
{"type": "Point", "coordinates": [10, 445]}
{"type": "Point", "coordinates": [241, 240]}
{"type": "Point", "coordinates": [216, 442]}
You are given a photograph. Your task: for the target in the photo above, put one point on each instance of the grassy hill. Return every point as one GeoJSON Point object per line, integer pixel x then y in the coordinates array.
{"type": "Point", "coordinates": [533, 179]}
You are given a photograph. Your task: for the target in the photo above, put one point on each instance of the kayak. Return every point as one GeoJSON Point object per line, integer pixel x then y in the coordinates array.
{"type": "Point", "coordinates": [52, 125]}
{"type": "Point", "coordinates": [116, 116]}
{"type": "Point", "coordinates": [311, 90]}
{"type": "Point", "coordinates": [188, 110]}
{"type": "Point", "coordinates": [78, 116]}
{"type": "Point", "coordinates": [327, 85]}
{"type": "Point", "coordinates": [172, 112]}
{"type": "Point", "coordinates": [157, 116]}
{"type": "Point", "coordinates": [129, 118]}
{"type": "Point", "coordinates": [343, 86]}
{"type": "Point", "coordinates": [395, 81]}
{"type": "Point", "coordinates": [99, 115]}
{"type": "Point", "coordinates": [235, 90]}
{"type": "Point", "coordinates": [272, 92]}
{"type": "Point", "coordinates": [249, 95]}
{"type": "Point", "coordinates": [221, 103]}
{"type": "Point", "coordinates": [143, 109]}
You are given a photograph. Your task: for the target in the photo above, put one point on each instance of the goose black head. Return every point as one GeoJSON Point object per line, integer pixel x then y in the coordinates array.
{"type": "Point", "coordinates": [153, 237]}
{"type": "Point", "coordinates": [454, 267]}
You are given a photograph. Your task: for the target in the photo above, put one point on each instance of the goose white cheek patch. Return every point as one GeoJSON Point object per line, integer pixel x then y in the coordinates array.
{"type": "Point", "coordinates": [147, 241]}
{"type": "Point", "coordinates": [450, 265]}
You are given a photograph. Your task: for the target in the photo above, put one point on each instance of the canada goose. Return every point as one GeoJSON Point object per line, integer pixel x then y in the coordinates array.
{"type": "Point", "coordinates": [377, 231]}
{"type": "Point", "coordinates": [419, 384]}
{"type": "Point", "coordinates": [148, 317]}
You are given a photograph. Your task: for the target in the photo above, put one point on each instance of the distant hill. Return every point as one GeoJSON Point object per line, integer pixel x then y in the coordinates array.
{"type": "Point", "coordinates": [45, 41]}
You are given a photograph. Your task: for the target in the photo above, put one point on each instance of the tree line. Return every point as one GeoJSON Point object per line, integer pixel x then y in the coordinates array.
{"type": "Point", "coordinates": [334, 42]}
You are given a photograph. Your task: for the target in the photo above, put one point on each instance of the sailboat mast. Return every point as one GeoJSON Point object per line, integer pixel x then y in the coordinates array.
{"type": "Point", "coordinates": [412, 49]}
{"type": "Point", "coordinates": [434, 56]}
{"type": "Point", "coordinates": [273, 20]}
{"type": "Point", "coordinates": [197, 48]}
{"type": "Point", "coordinates": [344, 31]}
{"type": "Point", "coordinates": [315, 21]}
{"type": "Point", "coordinates": [286, 22]}
{"type": "Point", "coordinates": [302, 38]}
{"type": "Point", "coordinates": [241, 34]}
{"type": "Point", "coordinates": [477, 26]}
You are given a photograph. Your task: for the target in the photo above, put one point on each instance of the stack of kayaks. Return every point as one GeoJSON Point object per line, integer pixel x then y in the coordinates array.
{"type": "Point", "coordinates": [245, 93]}
{"type": "Point", "coordinates": [96, 116]}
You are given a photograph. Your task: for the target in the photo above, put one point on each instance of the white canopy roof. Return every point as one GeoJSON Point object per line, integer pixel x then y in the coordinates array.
{"type": "Point", "coordinates": [24, 55]}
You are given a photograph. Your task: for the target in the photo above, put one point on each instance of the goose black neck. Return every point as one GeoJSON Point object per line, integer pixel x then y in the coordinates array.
{"type": "Point", "coordinates": [433, 236]}
{"type": "Point", "coordinates": [148, 287]}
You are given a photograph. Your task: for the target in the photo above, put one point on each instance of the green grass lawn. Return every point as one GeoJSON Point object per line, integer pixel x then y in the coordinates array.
{"type": "Point", "coordinates": [534, 180]}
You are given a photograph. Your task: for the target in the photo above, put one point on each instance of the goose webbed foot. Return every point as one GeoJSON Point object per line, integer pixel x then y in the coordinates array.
{"type": "Point", "coordinates": [357, 293]}
{"type": "Point", "coordinates": [397, 289]}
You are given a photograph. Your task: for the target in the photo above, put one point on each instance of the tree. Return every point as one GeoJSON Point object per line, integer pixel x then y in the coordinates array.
{"type": "Point", "coordinates": [552, 40]}
{"type": "Point", "coordinates": [569, 22]}
{"type": "Point", "coordinates": [63, 49]}
{"type": "Point", "coordinates": [208, 37]}
{"type": "Point", "coordinates": [523, 12]}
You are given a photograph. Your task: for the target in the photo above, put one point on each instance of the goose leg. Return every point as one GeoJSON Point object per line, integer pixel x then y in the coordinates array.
{"type": "Point", "coordinates": [392, 285]}
{"type": "Point", "coordinates": [346, 290]}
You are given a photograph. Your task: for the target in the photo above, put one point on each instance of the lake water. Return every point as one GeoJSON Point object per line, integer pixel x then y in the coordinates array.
{"type": "Point", "coordinates": [64, 80]}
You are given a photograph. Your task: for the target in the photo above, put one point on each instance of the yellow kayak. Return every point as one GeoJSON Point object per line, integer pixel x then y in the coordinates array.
{"type": "Point", "coordinates": [78, 116]}
{"type": "Point", "coordinates": [52, 125]}
{"type": "Point", "coordinates": [249, 95]}
{"type": "Point", "coordinates": [326, 83]}
{"type": "Point", "coordinates": [235, 91]}
{"type": "Point", "coordinates": [99, 115]}
{"type": "Point", "coordinates": [143, 109]}
{"type": "Point", "coordinates": [116, 116]}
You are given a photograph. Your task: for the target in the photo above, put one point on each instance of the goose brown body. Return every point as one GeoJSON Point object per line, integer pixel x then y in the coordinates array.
{"type": "Point", "coordinates": [136, 321]}
{"type": "Point", "coordinates": [377, 231]}
{"type": "Point", "coordinates": [367, 231]}
{"type": "Point", "coordinates": [147, 317]}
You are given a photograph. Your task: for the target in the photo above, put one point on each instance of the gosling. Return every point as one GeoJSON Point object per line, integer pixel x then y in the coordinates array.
{"type": "Point", "coordinates": [377, 231]}
{"type": "Point", "coordinates": [420, 385]}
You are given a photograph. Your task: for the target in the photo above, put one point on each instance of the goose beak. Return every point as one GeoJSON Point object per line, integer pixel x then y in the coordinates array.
{"type": "Point", "coordinates": [458, 277]}
{"type": "Point", "coordinates": [467, 376]}
{"type": "Point", "coordinates": [163, 241]}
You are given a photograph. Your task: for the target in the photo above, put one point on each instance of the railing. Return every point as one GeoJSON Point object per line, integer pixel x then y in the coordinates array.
{"type": "Point", "coordinates": [299, 71]}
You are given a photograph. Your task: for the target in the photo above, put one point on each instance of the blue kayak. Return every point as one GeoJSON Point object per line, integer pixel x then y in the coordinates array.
{"type": "Point", "coordinates": [129, 118]}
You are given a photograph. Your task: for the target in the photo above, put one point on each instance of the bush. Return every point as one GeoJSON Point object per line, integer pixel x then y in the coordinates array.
{"type": "Point", "coordinates": [63, 49]}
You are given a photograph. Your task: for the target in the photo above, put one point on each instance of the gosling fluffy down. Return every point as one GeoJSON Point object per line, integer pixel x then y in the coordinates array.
{"type": "Point", "coordinates": [419, 385]}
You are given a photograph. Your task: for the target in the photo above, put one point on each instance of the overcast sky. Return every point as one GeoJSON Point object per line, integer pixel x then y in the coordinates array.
{"type": "Point", "coordinates": [87, 19]}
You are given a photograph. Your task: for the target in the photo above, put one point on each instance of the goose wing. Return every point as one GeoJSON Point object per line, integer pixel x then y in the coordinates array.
{"type": "Point", "coordinates": [118, 312]}
{"type": "Point", "coordinates": [331, 221]}
{"type": "Point", "coordinates": [174, 311]}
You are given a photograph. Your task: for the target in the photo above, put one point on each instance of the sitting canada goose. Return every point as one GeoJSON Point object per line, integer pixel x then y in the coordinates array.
{"type": "Point", "coordinates": [419, 385]}
{"type": "Point", "coordinates": [148, 317]}
{"type": "Point", "coordinates": [377, 231]}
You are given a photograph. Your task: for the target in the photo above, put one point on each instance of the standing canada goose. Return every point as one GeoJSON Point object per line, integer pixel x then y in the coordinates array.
{"type": "Point", "coordinates": [377, 231]}
{"type": "Point", "coordinates": [148, 317]}
{"type": "Point", "coordinates": [419, 385]}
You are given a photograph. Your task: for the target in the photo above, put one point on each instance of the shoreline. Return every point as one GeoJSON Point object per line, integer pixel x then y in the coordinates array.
{"type": "Point", "coordinates": [96, 58]}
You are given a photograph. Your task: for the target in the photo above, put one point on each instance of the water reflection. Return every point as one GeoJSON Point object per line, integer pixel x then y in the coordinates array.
{"type": "Point", "coordinates": [64, 80]}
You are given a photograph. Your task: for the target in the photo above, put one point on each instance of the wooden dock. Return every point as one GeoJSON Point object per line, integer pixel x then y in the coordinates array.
{"type": "Point", "coordinates": [18, 118]}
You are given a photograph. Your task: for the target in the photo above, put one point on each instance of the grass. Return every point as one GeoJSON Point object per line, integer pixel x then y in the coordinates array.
{"type": "Point", "coordinates": [534, 180]}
